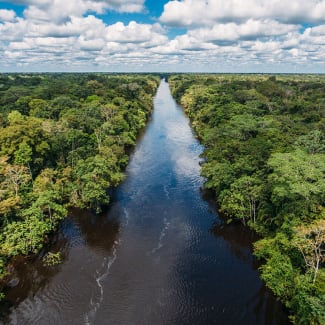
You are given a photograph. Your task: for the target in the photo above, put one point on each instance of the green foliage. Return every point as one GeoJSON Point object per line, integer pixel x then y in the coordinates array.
{"type": "Point", "coordinates": [94, 176]}
{"type": "Point", "coordinates": [24, 237]}
{"type": "Point", "coordinates": [297, 179]}
{"type": "Point", "coordinates": [2, 269]}
{"type": "Point", "coordinates": [39, 108]}
{"type": "Point", "coordinates": [264, 157]}
{"type": "Point", "coordinates": [313, 142]}
{"type": "Point", "coordinates": [52, 259]}
{"type": "Point", "coordinates": [278, 274]}
{"type": "Point", "coordinates": [307, 305]}
{"type": "Point", "coordinates": [23, 156]}
{"type": "Point", "coordinates": [242, 199]}
{"type": "Point", "coordinates": [15, 117]}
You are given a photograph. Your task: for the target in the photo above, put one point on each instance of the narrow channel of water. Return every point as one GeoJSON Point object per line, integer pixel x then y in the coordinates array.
{"type": "Point", "coordinates": [159, 256]}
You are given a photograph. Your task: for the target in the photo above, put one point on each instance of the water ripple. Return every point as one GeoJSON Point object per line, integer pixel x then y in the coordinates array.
{"type": "Point", "coordinates": [161, 237]}
{"type": "Point", "coordinates": [100, 276]}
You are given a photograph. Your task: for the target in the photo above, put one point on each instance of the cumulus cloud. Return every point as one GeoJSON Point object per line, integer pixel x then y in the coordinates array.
{"type": "Point", "coordinates": [77, 40]}
{"type": "Point", "coordinates": [218, 35]}
{"type": "Point", "coordinates": [251, 29]}
{"type": "Point", "coordinates": [134, 33]}
{"type": "Point", "coordinates": [62, 10]}
{"type": "Point", "coordinates": [7, 15]}
{"type": "Point", "coordinates": [250, 32]}
{"type": "Point", "coordinates": [87, 5]}
{"type": "Point", "coordinates": [203, 12]}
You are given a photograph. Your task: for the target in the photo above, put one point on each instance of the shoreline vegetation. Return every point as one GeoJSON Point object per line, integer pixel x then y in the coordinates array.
{"type": "Point", "coordinates": [265, 160]}
{"type": "Point", "coordinates": [64, 142]}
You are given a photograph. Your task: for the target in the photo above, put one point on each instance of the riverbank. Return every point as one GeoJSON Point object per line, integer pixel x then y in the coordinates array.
{"type": "Point", "coordinates": [264, 152]}
{"type": "Point", "coordinates": [64, 143]}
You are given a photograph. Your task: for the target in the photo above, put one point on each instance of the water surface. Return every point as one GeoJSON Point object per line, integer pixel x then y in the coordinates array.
{"type": "Point", "coordinates": [160, 255]}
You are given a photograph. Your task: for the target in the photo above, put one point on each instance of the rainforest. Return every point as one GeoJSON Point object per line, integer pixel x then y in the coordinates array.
{"type": "Point", "coordinates": [64, 141]}
{"type": "Point", "coordinates": [65, 144]}
{"type": "Point", "coordinates": [265, 159]}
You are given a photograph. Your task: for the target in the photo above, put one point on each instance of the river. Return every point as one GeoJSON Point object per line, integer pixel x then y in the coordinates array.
{"type": "Point", "coordinates": [160, 255]}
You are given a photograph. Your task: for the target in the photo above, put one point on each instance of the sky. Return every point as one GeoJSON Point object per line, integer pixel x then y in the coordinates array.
{"type": "Point", "coordinates": [268, 36]}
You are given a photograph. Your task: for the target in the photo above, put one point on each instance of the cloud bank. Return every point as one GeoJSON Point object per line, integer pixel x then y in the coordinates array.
{"type": "Point", "coordinates": [212, 36]}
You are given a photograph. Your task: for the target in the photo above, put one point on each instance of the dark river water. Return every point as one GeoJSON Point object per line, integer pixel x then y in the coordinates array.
{"type": "Point", "coordinates": [160, 255]}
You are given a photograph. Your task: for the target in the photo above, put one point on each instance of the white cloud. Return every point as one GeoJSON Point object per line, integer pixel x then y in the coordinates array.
{"type": "Point", "coordinates": [13, 46]}
{"type": "Point", "coordinates": [7, 15]}
{"type": "Point", "coordinates": [79, 40]}
{"type": "Point", "coordinates": [134, 33]}
{"type": "Point", "coordinates": [251, 29]}
{"type": "Point", "coordinates": [76, 26]}
{"type": "Point", "coordinates": [220, 35]}
{"type": "Point", "coordinates": [251, 32]}
{"type": "Point", "coordinates": [316, 31]}
{"type": "Point", "coordinates": [13, 31]}
{"type": "Point", "coordinates": [203, 12]}
{"type": "Point", "coordinates": [61, 10]}
{"type": "Point", "coordinates": [74, 6]}
{"type": "Point", "coordinates": [131, 7]}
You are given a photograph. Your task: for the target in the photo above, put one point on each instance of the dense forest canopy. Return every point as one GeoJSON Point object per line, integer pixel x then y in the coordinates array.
{"type": "Point", "coordinates": [265, 159]}
{"type": "Point", "coordinates": [64, 140]}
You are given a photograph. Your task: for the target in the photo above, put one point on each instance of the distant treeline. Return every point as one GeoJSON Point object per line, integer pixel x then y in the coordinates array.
{"type": "Point", "coordinates": [265, 159]}
{"type": "Point", "coordinates": [64, 140]}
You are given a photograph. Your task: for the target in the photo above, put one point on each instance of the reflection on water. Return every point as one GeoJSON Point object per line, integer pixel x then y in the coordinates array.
{"type": "Point", "coordinates": [42, 293]}
{"type": "Point", "coordinates": [160, 255]}
{"type": "Point", "coordinates": [97, 231]}
{"type": "Point", "coordinates": [238, 239]}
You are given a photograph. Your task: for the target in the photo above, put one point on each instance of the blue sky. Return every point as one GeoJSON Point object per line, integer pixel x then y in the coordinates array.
{"type": "Point", "coordinates": [160, 35]}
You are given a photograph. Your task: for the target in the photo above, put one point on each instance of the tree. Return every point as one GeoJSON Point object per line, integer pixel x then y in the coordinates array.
{"type": "Point", "coordinates": [298, 178]}
{"type": "Point", "coordinates": [108, 111]}
{"type": "Point", "coordinates": [39, 108]}
{"type": "Point", "coordinates": [22, 104]}
{"type": "Point", "coordinates": [310, 240]}
{"type": "Point", "coordinates": [279, 274]}
{"type": "Point", "coordinates": [24, 237]}
{"type": "Point", "coordinates": [94, 176]}
{"type": "Point", "coordinates": [8, 207]}
{"type": "Point", "coordinates": [47, 201]}
{"type": "Point", "coordinates": [16, 176]}
{"type": "Point", "coordinates": [23, 156]}
{"type": "Point", "coordinates": [312, 143]}
{"type": "Point", "coordinates": [15, 117]}
{"type": "Point", "coordinates": [242, 199]}
{"type": "Point", "coordinates": [219, 175]}
{"type": "Point", "coordinates": [47, 208]}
